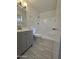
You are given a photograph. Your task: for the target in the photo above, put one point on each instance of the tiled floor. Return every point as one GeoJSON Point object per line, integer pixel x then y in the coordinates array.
{"type": "Point", "coordinates": [41, 49]}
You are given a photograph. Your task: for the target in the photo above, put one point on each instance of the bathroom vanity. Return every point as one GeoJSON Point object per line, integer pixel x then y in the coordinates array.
{"type": "Point", "coordinates": [24, 40]}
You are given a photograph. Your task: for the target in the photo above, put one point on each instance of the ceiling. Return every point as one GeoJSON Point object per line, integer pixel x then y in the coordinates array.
{"type": "Point", "coordinates": [43, 5]}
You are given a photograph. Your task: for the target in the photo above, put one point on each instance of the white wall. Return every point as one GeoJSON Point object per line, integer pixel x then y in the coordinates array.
{"type": "Point", "coordinates": [32, 17]}
{"type": "Point", "coordinates": [58, 25]}
{"type": "Point", "coordinates": [58, 18]}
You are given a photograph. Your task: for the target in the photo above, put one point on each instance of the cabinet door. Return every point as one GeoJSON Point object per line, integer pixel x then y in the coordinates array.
{"type": "Point", "coordinates": [24, 41]}
{"type": "Point", "coordinates": [19, 43]}
{"type": "Point", "coordinates": [29, 38]}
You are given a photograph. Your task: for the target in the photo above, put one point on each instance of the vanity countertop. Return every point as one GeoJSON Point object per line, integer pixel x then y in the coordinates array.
{"type": "Point", "coordinates": [24, 29]}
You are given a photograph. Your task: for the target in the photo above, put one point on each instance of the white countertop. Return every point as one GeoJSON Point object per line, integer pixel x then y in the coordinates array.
{"type": "Point", "coordinates": [24, 29]}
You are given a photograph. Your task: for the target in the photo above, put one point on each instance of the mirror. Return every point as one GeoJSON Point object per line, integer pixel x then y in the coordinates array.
{"type": "Point", "coordinates": [21, 17]}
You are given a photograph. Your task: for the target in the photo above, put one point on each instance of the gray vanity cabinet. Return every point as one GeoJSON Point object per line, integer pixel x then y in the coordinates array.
{"type": "Point", "coordinates": [24, 41]}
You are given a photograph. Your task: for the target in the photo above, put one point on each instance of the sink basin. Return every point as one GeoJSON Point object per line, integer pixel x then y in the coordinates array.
{"type": "Point", "coordinates": [19, 28]}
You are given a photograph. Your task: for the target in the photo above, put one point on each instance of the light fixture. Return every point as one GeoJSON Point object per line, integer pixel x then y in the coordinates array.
{"type": "Point", "coordinates": [22, 3]}
{"type": "Point", "coordinates": [19, 0]}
